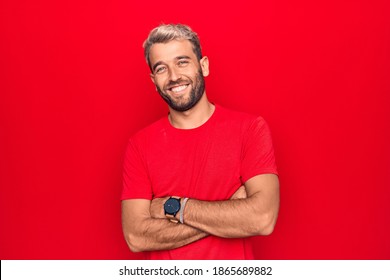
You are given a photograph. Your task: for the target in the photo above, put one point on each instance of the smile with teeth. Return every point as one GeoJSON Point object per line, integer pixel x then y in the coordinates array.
{"type": "Point", "coordinates": [179, 88]}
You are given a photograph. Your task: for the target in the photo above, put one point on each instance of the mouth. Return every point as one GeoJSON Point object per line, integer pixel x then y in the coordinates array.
{"type": "Point", "coordinates": [178, 88]}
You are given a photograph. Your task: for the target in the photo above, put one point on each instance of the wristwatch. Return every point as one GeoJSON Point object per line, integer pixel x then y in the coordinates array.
{"type": "Point", "coordinates": [172, 207]}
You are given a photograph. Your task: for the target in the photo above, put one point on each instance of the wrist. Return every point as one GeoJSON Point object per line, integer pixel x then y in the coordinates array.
{"type": "Point", "coordinates": [174, 208]}
{"type": "Point", "coordinates": [171, 208]}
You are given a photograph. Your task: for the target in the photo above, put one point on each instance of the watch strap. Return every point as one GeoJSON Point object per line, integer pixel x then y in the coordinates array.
{"type": "Point", "coordinates": [181, 212]}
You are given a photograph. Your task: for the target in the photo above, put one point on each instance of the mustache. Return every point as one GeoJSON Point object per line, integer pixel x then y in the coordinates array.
{"type": "Point", "coordinates": [177, 83]}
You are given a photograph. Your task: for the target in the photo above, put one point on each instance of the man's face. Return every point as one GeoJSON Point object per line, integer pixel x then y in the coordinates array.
{"type": "Point", "coordinates": [177, 73]}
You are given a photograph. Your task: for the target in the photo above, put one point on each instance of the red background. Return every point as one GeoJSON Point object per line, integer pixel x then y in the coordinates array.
{"type": "Point", "coordinates": [74, 86]}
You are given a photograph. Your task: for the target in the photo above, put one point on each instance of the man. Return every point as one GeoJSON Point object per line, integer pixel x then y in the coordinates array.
{"type": "Point", "coordinates": [201, 180]}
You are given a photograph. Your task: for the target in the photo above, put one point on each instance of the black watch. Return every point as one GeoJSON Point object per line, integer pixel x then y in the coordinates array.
{"type": "Point", "coordinates": [172, 207]}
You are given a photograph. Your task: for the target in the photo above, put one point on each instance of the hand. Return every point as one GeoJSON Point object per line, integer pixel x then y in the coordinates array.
{"type": "Point", "coordinates": [240, 193]}
{"type": "Point", "coordinates": [157, 208]}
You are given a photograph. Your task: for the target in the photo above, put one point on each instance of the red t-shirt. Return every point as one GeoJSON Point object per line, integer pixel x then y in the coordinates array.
{"type": "Point", "coordinates": [209, 162]}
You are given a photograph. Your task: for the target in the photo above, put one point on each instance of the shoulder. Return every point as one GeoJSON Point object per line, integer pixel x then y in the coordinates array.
{"type": "Point", "coordinates": [149, 132]}
{"type": "Point", "coordinates": [243, 119]}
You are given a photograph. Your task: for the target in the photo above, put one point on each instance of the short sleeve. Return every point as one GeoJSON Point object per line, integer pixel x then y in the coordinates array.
{"type": "Point", "coordinates": [257, 151]}
{"type": "Point", "coordinates": [136, 183]}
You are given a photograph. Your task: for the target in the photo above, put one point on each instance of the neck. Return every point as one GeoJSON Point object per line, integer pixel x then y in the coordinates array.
{"type": "Point", "coordinates": [194, 117]}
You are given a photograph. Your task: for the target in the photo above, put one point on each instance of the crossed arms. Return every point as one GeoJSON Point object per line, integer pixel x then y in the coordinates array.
{"type": "Point", "coordinates": [251, 211]}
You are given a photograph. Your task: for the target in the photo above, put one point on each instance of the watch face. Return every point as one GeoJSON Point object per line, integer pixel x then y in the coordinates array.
{"type": "Point", "coordinates": [172, 206]}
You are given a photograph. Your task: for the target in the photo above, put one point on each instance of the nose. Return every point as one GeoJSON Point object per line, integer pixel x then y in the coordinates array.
{"type": "Point", "coordinates": [174, 74]}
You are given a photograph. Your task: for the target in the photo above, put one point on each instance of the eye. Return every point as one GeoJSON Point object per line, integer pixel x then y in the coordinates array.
{"type": "Point", "coordinates": [182, 62]}
{"type": "Point", "coordinates": [160, 69]}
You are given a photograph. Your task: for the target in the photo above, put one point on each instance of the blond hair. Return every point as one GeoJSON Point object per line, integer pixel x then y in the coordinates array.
{"type": "Point", "coordinates": [168, 32]}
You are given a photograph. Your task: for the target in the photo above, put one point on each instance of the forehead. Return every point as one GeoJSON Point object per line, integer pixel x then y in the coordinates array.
{"type": "Point", "coordinates": [170, 50]}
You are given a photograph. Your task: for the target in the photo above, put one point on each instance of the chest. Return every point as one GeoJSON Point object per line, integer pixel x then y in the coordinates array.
{"type": "Point", "coordinates": [204, 166]}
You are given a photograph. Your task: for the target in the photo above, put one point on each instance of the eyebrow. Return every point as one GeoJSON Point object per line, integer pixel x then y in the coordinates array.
{"type": "Point", "coordinates": [182, 57]}
{"type": "Point", "coordinates": [156, 64]}
{"type": "Point", "coordinates": [176, 58]}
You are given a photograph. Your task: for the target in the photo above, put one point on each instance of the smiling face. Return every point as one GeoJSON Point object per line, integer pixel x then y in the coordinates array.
{"type": "Point", "coordinates": [177, 73]}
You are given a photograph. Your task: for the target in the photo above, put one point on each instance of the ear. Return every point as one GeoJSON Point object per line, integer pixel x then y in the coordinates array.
{"type": "Point", "coordinates": [152, 78]}
{"type": "Point", "coordinates": [204, 64]}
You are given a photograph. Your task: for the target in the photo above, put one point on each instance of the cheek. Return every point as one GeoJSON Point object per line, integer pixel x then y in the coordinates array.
{"type": "Point", "coordinates": [190, 74]}
{"type": "Point", "coordinates": [160, 82]}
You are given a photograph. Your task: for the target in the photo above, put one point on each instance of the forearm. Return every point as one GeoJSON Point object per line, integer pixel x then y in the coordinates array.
{"type": "Point", "coordinates": [143, 233]}
{"type": "Point", "coordinates": [230, 218]}
{"type": "Point", "coordinates": [255, 214]}
{"type": "Point", "coordinates": [160, 234]}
